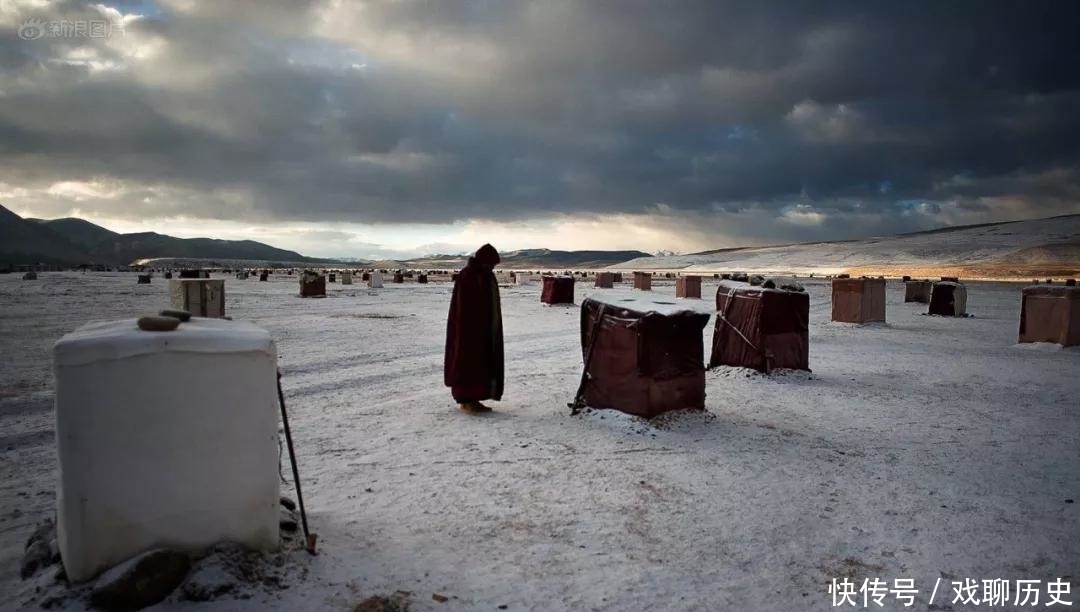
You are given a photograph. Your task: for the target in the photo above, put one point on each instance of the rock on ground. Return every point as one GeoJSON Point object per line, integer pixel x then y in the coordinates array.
{"type": "Point", "coordinates": [41, 550]}
{"type": "Point", "coordinates": [141, 581]}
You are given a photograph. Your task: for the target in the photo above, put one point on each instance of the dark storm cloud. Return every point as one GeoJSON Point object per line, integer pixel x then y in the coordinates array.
{"type": "Point", "coordinates": [841, 116]}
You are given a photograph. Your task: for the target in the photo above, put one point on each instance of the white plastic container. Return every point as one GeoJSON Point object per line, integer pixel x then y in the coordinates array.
{"type": "Point", "coordinates": [164, 439]}
{"type": "Point", "coordinates": [201, 297]}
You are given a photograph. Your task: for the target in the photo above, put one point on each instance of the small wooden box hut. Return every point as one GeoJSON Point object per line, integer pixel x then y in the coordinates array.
{"type": "Point", "coordinates": [200, 296]}
{"type": "Point", "coordinates": [643, 358]}
{"type": "Point", "coordinates": [948, 299]}
{"type": "Point", "coordinates": [688, 287]}
{"type": "Point", "coordinates": [1050, 314]}
{"type": "Point", "coordinates": [762, 329]}
{"type": "Point", "coordinates": [858, 300]}
{"type": "Point", "coordinates": [557, 290]}
{"type": "Point", "coordinates": [312, 284]}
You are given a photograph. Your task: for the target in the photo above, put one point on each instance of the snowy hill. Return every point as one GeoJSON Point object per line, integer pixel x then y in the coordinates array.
{"type": "Point", "coordinates": [1019, 249]}
{"type": "Point", "coordinates": [536, 258]}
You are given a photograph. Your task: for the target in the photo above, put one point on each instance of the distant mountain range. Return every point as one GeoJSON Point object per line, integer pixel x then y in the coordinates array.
{"type": "Point", "coordinates": [23, 242]}
{"type": "Point", "coordinates": [74, 242]}
{"type": "Point", "coordinates": [1017, 249]}
{"type": "Point", "coordinates": [1013, 249]}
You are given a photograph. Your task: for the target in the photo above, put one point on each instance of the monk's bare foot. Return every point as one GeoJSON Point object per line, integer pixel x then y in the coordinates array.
{"type": "Point", "coordinates": [474, 408]}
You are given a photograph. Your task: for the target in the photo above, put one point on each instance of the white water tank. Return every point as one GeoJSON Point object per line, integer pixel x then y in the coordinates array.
{"type": "Point", "coordinates": [164, 439]}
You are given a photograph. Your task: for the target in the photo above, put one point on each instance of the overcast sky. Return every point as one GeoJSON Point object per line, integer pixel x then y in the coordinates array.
{"type": "Point", "coordinates": [378, 128]}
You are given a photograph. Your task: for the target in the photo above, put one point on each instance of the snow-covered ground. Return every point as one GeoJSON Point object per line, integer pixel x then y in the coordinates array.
{"type": "Point", "coordinates": [986, 248]}
{"type": "Point", "coordinates": [928, 448]}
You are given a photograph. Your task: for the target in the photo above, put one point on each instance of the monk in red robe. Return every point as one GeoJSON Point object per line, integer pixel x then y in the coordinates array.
{"type": "Point", "coordinates": [474, 340]}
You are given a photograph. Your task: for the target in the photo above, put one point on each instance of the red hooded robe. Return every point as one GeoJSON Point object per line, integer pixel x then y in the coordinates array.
{"type": "Point", "coordinates": [473, 368]}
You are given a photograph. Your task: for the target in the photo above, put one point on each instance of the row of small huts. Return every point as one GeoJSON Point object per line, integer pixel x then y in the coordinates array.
{"type": "Point", "coordinates": [648, 359]}
{"type": "Point", "coordinates": [1048, 313]}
